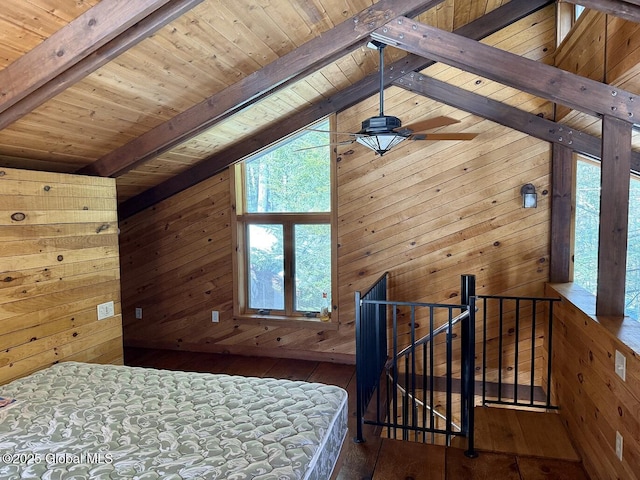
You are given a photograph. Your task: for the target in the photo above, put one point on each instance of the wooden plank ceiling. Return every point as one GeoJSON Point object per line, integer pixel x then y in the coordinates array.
{"type": "Point", "coordinates": [103, 87]}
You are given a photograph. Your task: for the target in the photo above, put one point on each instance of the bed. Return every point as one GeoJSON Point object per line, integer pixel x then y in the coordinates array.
{"type": "Point", "coordinates": [78, 420]}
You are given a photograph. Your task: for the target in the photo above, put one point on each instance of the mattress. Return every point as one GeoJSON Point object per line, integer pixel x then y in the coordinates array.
{"type": "Point", "coordinates": [77, 420]}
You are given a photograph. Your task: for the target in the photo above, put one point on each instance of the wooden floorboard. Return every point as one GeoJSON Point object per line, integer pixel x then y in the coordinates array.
{"type": "Point", "coordinates": [387, 459]}
{"type": "Point", "coordinates": [402, 460]}
{"type": "Point", "coordinates": [546, 468]}
{"type": "Point", "coordinates": [488, 466]}
{"type": "Point", "coordinates": [523, 432]}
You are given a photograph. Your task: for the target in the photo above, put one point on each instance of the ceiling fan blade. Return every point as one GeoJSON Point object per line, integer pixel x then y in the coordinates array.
{"type": "Point", "coordinates": [346, 142]}
{"type": "Point", "coordinates": [331, 131]}
{"type": "Point", "coordinates": [444, 136]}
{"type": "Point", "coordinates": [430, 123]}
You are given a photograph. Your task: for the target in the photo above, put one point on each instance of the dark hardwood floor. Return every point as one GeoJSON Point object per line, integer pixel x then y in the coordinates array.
{"type": "Point", "coordinates": [377, 458]}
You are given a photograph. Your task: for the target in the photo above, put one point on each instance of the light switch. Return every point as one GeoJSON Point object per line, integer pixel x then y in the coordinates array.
{"type": "Point", "coordinates": [621, 365]}
{"type": "Point", "coordinates": [105, 310]}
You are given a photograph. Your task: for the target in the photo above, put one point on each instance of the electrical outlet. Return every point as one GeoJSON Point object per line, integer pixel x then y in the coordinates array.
{"type": "Point", "coordinates": [619, 443]}
{"type": "Point", "coordinates": [105, 310]}
{"type": "Point", "coordinates": [138, 313]}
{"type": "Point", "coordinates": [215, 316]}
{"type": "Point", "coordinates": [621, 365]}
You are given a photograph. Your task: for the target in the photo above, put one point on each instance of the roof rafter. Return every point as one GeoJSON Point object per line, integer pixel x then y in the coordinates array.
{"type": "Point", "coordinates": [69, 45]}
{"type": "Point", "coordinates": [507, 115]}
{"type": "Point", "coordinates": [306, 59]}
{"type": "Point", "coordinates": [617, 8]}
{"type": "Point", "coordinates": [478, 29]}
{"type": "Point", "coordinates": [132, 36]}
{"type": "Point", "coordinates": [537, 78]}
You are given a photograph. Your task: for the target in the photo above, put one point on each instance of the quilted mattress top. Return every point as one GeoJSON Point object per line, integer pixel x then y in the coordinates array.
{"type": "Point", "coordinates": [77, 420]}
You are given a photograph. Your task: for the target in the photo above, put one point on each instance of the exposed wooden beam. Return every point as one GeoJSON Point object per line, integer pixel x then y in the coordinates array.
{"type": "Point", "coordinates": [626, 10]}
{"type": "Point", "coordinates": [614, 217]}
{"type": "Point", "coordinates": [562, 174]}
{"type": "Point", "coordinates": [500, 18]}
{"type": "Point", "coordinates": [306, 59]}
{"type": "Point", "coordinates": [221, 160]}
{"type": "Point", "coordinates": [478, 29]}
{"type": "Point", "coordinates": [539, 79]}
{"type": "Point", "coordinates": [506, 115]}
{"type": "Point", "coordinates": [69, 45]}
{"type": "Point", "coordinates": [97, 59]}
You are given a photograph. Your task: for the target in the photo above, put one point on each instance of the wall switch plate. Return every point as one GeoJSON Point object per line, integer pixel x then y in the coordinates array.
{"type": "Point", "coordinates": [621, 365]}
{"type": "Point", "coordinates": [619, 446]}
{"type": "Point", "coordinates": [105, 310]}
{"type": "Point", "coordinates": [215, 316]}
{"type": "Point", "coordinates": [138, 313]}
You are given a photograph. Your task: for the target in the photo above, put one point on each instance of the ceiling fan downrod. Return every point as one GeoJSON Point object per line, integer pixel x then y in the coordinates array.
{"type": "Point", "coordinates": [380, 47]}
{"type": "Point", "coordinates": [380, 133]}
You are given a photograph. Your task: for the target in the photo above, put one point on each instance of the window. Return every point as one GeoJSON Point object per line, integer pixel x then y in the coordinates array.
{"type": "Point", "coordinates": [587, 224]}
{"type": "Point", "coordinates": [567, 16]}
{"type": "Point", "coordinates": [284, 229]}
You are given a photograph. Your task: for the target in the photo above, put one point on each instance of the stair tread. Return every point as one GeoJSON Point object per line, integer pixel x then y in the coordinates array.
{"type": "Point", "coordinates": [523, 432]}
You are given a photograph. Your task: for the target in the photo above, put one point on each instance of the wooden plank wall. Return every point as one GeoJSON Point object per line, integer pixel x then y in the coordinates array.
{"type": "Point", "coordinates": [58, 261]}
{"type": "Point", "coordinates": [583, 51]}
{"type": "Point", "coordinates": [176, 261]}
{"type": "Point", "coordinates": [602, 47]}
{"type": "Point", "coordinates": [623, 50]}
{"type": "Point", "coordinates": [426, 218]}
{"type": "Point", "coordinates": [427, 212]}
{"type": "Point", "coordinates": [594, 401]}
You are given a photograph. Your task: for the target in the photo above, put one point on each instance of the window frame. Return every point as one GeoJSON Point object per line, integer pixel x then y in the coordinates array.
{"type": "Point", "coordinates": [634, 177]}
{"type": "Point", "coordinates": [567, 16]}
{"type": "Point", "coordinates": [240, 221]}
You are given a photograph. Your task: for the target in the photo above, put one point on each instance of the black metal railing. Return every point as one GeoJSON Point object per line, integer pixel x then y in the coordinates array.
{"type": "Point", "coordinates": [399, 387]}
{"type": "Point", "coordinates": [371, 344]}
{"type": "Point", "coordinates": [517, 334]}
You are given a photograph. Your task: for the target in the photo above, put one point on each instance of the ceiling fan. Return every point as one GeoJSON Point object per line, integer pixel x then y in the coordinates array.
{"type": "Point", "coordinates": [383, 132]}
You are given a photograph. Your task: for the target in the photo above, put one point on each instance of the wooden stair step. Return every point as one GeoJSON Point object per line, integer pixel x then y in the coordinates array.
{"type": "Point", "coordinates": [523, 432]}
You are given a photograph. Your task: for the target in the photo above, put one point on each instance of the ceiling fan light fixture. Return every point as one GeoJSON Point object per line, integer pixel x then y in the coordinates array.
{"type": "Point", "coordinates": [381, 143]}
{"type": "Point", "coordinates": [378, 133]}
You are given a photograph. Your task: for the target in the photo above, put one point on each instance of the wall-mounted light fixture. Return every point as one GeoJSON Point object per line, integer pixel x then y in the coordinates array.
{"type": "Point", "coordinates": [529, 196]}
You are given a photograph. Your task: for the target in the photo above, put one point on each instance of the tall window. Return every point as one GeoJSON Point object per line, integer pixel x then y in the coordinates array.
{"type": "Point", "coordinates": [283, 225]}
{"type": "Point", "coordinates": [586, 235]}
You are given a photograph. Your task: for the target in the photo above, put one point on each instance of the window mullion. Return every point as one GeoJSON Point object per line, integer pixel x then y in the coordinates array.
{"type": "Point", "coordinates": [289, 281]}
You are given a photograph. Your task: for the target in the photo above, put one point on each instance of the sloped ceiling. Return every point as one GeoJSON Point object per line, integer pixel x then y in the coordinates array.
{"type": "Point", "coordinates": [208, 69]}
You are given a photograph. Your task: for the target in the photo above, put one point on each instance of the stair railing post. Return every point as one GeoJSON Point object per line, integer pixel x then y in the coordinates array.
{"type": "Point", "coordinates": [470, 378]}
{"type": "Point", "coordinates": [467, 283]}
{"type": "Point", "coordinates": [468, 338]}
{"type": "Point", "coordinates": [360, 375]}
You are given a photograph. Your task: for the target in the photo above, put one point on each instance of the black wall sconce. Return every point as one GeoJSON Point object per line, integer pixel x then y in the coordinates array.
{"type": "Point", "coordinates": [529, 196]}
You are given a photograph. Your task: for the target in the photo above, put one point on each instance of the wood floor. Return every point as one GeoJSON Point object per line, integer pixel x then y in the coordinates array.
{"type": "Point", "coordinates": [514, 458]}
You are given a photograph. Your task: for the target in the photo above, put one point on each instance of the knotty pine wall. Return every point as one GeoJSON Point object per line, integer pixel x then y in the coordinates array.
{"type": "Point", "coordinates": [426, 213]}
{"type": "Point", "coordinates": [594, 401]}
{"type": "Point", "coordinates": [58, 261]}
{"type": "Point", "coordinates": [601, 47]}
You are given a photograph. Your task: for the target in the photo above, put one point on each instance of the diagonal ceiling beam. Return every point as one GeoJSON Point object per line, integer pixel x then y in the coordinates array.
{"type": "Point", "coordinates": [306, 59]}
{"type": "Point", "coordinates": [617, 8]}
{"type": "Point", "coordinates": [69, 45]}
{"type": "Point", "coordinates": [97, 59]}
{"type": "Point", "coordinates": [507, 115]}
{"type": "Point", "coordinates": [539, 79]}
{"type": "Point", "coordinates": [482, 27]}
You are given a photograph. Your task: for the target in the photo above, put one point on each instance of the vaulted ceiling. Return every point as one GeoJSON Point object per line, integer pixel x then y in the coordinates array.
{"type": "Point", "coordinates": [162, 93]}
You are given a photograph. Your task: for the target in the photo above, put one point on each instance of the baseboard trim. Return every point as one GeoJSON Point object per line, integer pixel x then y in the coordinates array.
{"type": "Point", "coordinates": [249, 351]}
